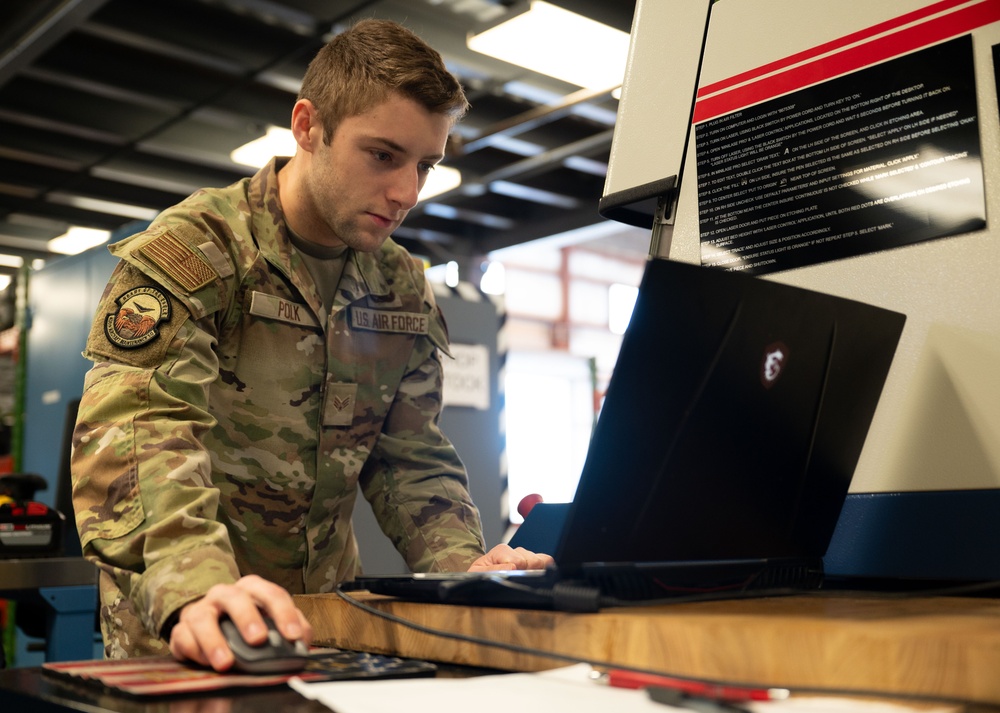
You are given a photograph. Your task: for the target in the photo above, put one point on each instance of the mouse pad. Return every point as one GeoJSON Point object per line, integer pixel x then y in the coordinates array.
{"type": "Point", "coordinates": [163, 676]}
{"type": "Point", "coordinates": [337, 665]}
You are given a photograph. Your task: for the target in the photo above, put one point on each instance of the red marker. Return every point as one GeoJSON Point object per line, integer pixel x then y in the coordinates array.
{"type": "Point", "coordinates": [700, 689]}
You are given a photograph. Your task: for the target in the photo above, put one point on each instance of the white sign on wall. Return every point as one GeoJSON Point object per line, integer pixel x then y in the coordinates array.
{"type": "Point", "coordinates": [467, 377]}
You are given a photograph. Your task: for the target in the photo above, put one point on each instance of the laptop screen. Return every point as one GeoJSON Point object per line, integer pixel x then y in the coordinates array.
{"type": "Point", "coordinates": [733, 421]}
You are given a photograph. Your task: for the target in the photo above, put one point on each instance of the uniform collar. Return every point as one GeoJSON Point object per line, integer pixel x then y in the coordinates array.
{"type": "Point", "coordinates": [362, 271]}
{"type": "Point", "coordinates": [270, 231]}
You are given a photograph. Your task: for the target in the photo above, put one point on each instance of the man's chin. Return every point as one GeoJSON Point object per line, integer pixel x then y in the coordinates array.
{"type": "Point", "coordinates": [368, 243]}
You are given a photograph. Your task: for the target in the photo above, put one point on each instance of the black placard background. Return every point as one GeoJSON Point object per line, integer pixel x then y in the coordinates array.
{"type": "Point", "coordinates": [884, 157]}
{"type": "Point", "coordinates": [996, 71]}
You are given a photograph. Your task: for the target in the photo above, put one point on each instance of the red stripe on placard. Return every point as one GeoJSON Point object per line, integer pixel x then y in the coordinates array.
{"type": "Point", "coordinates": [831, 46]}
{"type": "Point", "coordinates": [877, 50]}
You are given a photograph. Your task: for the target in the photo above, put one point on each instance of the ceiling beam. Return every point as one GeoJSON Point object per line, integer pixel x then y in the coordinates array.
{"type": "Point", "coordinates": [52, 27]}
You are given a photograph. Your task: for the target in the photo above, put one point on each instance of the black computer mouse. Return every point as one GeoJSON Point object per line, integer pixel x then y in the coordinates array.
{"type": "Point", "coordinates": [276, 655]}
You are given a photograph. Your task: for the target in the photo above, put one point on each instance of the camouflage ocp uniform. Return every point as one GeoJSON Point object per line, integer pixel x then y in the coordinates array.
{"type": "Point", "coordinates": [228, 421]}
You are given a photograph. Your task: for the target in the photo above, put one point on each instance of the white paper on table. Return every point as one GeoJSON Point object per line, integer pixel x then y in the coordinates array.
{"type": "Point", "coordinates": [563, 689]}
{"type": "Point", "coordinates": [571, 688]}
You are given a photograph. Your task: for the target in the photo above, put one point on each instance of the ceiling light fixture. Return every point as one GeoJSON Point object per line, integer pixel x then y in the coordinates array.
{"type": "Point", "coordinates": [281, 142]}
{"type": "Point", "coordinates": [441, 180]}
{"type": "Point", "coordinates": [275, 142]}
{"type": "Point", "coordinates": [77, 239]}
{"type": "Point", "coordinates": [101, 206]}
{"type": "Point", "coordinates": [547, 39]}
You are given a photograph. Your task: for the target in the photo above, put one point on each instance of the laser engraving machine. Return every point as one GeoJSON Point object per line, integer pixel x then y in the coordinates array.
{"type": "Point", "coordinates": [852, 148]}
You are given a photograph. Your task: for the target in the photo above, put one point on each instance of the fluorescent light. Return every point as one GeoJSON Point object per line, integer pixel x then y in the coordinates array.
{"type": "Point", "coordinates": [5, 281]}
{"type": "Point", "coordinates": [559, 43]}
{"type": "Point", "coordinates": [276, 142]}
{"type": "Point", "coordinates": [281, 142]}
{"type": "Point", "coordinates": [440, 180]}
{"type": "Point", "coordinates": [494, 280]}
{"type": "Point", "coordinates": [11, 261]}
{"type": "Point", "coordinates": [451, 274]}
{"type": "Point", "coordinates": [77, 239]}
{"type": "Point", "coordinates": [102, 206]}
{"type": "Point", "coordinates": [621, 303]}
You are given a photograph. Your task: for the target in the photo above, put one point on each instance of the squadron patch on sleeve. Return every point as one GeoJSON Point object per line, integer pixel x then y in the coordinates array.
{"type": "Point", "coordinates": [140, 311]}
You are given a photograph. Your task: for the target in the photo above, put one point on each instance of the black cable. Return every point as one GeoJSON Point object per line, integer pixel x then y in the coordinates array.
{"type": "Point", "coordinates": [578, 597]}
{"type": "Point", "coordinates": [465, 638]}
{"type": "Point", "coordinates": [596, 663]}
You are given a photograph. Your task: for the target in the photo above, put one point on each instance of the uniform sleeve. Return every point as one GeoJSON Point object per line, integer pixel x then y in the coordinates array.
{"type": "Point", "coordinates": [145, 507]}
{"type": "Point", "coordinates": [415, 480]}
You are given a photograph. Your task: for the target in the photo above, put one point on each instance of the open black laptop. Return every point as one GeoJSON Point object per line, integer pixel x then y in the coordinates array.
{"type": "Point", "coordinates": [722, 455]}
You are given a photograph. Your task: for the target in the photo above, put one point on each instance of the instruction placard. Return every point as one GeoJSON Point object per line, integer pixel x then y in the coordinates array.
{"type": "Point", "coordinates": [883, 157]}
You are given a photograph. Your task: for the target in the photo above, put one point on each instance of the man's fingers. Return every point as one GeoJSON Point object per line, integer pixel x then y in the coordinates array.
{"type": "Point", "coordinates": [201, 646]}
{"type": "Point", "coordinates": [277, 603]}
{"type": "Point", "coordinates": [197, 636]}
{"type": "Point", "coordinates": [534, 560]}
{"type": "Point", "coordinates": [505, 557]}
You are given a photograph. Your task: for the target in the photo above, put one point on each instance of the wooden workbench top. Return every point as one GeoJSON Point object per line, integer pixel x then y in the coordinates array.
{"type": "Point", "coordinates": [938, 646]}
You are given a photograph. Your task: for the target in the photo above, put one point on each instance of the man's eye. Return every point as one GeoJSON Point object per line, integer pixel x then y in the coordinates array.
{"type": "Point", "coordinates": [381, 155]}
{"type": "Point", "coordinates": [426, 167]}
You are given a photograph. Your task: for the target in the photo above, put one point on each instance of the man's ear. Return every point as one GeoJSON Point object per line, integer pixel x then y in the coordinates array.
{"type": "Point", "coordinates": [306, 126]}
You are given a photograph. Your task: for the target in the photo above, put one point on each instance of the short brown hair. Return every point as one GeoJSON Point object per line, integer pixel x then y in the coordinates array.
{"type": "Point", "coordinates": [361, 66]}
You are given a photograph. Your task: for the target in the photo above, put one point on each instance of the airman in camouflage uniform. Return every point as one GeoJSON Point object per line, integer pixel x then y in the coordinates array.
{"type": "Point", "coordinates": [264, 351]}
{"type": "Point", "coordinates": [228, 420]}
{"type": "Point", "coordinates": [248, 380]}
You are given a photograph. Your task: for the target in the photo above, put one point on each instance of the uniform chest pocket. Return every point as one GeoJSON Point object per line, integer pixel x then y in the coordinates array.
{"type": "Point", "coordinates": [373, 364]}
{"type": "Point", "coordinates": [277, 338]}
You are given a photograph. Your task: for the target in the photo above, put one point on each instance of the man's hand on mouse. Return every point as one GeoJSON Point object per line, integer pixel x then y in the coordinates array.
{"type": "Point", "coordinates": [506, 557]}
{"type": "Point", "coordinates": [197, 636]}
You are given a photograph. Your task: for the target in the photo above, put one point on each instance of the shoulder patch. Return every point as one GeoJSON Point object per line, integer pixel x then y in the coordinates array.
{"type": "Point", "coordinates": [134, 323]}
{"type": "Point", "coordinates": [179, 261]}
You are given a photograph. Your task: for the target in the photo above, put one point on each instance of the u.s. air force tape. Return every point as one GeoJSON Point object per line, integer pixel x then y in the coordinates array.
{"type": "Point", "coordinates": [377, 320]}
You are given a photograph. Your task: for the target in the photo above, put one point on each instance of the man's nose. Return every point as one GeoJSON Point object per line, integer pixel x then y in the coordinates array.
{"type": "Point", "coordinates": [405, 188]}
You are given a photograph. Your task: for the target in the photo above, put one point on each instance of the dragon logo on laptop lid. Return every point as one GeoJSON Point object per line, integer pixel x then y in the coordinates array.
{"type": "Point", "coordinates": [773, 364]}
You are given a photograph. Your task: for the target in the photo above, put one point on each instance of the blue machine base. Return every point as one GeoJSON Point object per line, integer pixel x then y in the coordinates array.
{"type": "Point", "coordinates": [950, 535]}
{"type": "Point", "coordinates": [940, 536]}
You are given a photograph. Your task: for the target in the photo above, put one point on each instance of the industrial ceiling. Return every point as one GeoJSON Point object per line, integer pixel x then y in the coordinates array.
{"type": "Point", "coordinates": [111, 110]}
